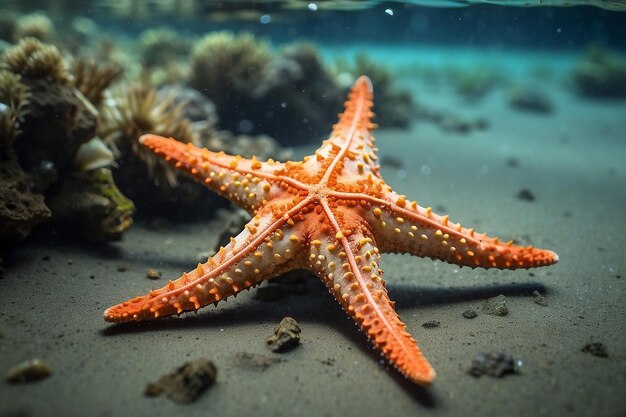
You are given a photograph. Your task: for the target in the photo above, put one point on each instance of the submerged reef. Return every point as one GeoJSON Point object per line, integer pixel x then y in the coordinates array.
{"type": "Point", "coordinates": [90, 204]}
{"type": "Point", "coordinates": [257, 91]}
{"type": "Point", "coordinates": [47, 129]}
{"type": "Point", "coordinates": [601, 73]}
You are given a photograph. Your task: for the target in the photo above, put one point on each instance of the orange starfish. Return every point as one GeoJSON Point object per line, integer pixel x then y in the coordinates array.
{"type": "Point", "coordinates": [331, 213]}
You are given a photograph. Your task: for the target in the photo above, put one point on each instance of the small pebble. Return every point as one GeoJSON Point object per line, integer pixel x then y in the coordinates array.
{"type": "Point", "coordinates": [29, 371]}
{"type": "Point", "coordinates": [496, 306]}
{"type": "Point", "coordinates": [431, 324]}
{"type": "Point", "coordinates": [122, 268]}
{"type": "Point", "coordinates": [596, 349]}
{"type": "Point", "coordinates": [286, 336]}
{"type": "Point", "coordinates": [185, 384]}
{"type": "Point", "coordinates": [526, 195]}
{"type": "Point", "coordinates": [470, 314]}
{"type": "Point", "coordinates": [539, 299]}
{"type": "Point", "coordinates": [153, 273]}
{"type": "Point", "coordinates": [495, 364]}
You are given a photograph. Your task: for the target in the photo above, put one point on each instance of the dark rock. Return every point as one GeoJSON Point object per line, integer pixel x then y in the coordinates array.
{"type": "Point", "coordinates": [493, 364]}
{"type": "Point", "coordinates": [526, 195]}
{"type": "Point", "coordinates": [596, 349]}
{"type": "Point", "coordinates": [431, 324]}
{"type": "Point", "coordinates": [92, 205]}
{"type": "Point", "coordinates": [69, 122]}
{"type": "Point", "coordinates": [529, 99]}
{"type": "Point", "coordinates": [496, 306]}
{"type": "Point", "coordinates": [152, 273]}
{"type": "Point", "coordinates": [470, 314]}
{"type": "Point", "coordinates": [286, 336]}
{"type": "Point", "coordinates": [29, 371]}
{"type": "Point", "coordinates": [539, 299]}
{"type": "Point", "coordinates": [185, 384]}
{"type": "Point", "coordinates": [269, 293]}
{"type": "Point", "coordinates": [21, 209]}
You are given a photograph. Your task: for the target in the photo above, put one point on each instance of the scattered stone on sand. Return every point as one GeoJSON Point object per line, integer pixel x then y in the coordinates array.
{"type": "Point", "coordinates": [526, 195]}
{"type": "Point", "coordinates": [539, 299]}
{"type": "Point", "coordinates": [185, 384]}
{"type": "Point", "coordinates": [495, 364]}
{"type": "Point", "coordinates": [28, 371]}
{"type": "Point", "coordinates": [496, 306]}
{"type": "Point", "coordinates": [122, 268]}
{"type": "Point", "coordinates": [470, 314]}
{"type": "Point", "coordinates": [596, 349]}
{"type": "Point", "coordinates": [255, 361]}
{"type": "Point", "coordinates": [286, 336]}
{"type": "Point", "coordinates": [153, 273]}
{"type": "Point", "coordinates": [530, 99]}
{"type": "Point", "coordinates": [431, 324]}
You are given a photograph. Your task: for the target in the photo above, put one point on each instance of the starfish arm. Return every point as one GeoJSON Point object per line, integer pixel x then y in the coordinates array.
{"type": "Point", "coordinates": [248, 183]}
{"type": "Point", "coordinates": [265, 248]}
{"type": "Point", "coordinates": [349, 268]}
{"type": "Point", "coordinates": [350, 147]}
{"type": "Point", "coordinates": [406, 227]}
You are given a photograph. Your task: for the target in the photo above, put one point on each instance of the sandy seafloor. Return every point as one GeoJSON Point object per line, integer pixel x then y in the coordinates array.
{"type": "Point", "coordinates": [571, 160]}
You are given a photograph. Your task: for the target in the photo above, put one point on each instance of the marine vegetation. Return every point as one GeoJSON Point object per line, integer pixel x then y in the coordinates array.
{"type": "Point", "coordinates": [92, 79]}
{"type": "Point", "coordinates": [256, 90]}
{"type": "Point", "coordinates": [601, 73]}
{"type": "Point", "coordinates": [47, 130]}
{"type": "Point", "coordinates": [135, 110]}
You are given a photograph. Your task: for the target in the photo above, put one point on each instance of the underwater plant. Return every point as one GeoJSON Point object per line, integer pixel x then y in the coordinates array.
{"type": "Point", "coordinates": [158, 46]}
{"type": "Point", "coordinates": [34, 59]}
{"type": "Point", "coordinates": [13, 101]}
{"type": "Point", "coordinates": [601, 73]}
{"type": "Point", "coordinates": [228, 70]}
{"type": "Point", "coordinates": [92, 79]}
{"type": "Point", "coordinates": [138, 109]}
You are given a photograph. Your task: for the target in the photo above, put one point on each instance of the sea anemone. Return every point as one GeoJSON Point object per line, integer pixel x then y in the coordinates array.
{"type": "Point", "coordinates": [92, 79]}
{"type": "Point", "coordinates": [13, 101]}
{"type": "Point", "coordinates": [33, 59]}
{"type": "Point", "coordinates": [227, 68]}
{"type": "Point", "coordinates": [34, 25]}
{"type": "Point", "coordinates": [138, 109]}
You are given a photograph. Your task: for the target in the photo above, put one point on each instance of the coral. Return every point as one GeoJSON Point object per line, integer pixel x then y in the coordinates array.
{"type": "Point", "coordinates": [228, 69]}
{"type": "Point", "coordinates": [92, 79]}
{"type": "Point", "coordinates": [90, 204]}
{"type": "Point", "coordinates": [256, 91]}
{"type": "Point", "coordinates": [13, 101]}
{"type": "Point", "coordinates": [601, 73]}
{"type": "Point", "coordinates": [20, 208]}
{"type": "Point", "coordinates": [34, 25]}
{"type": "Point", "coordinates": [32, 59]}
